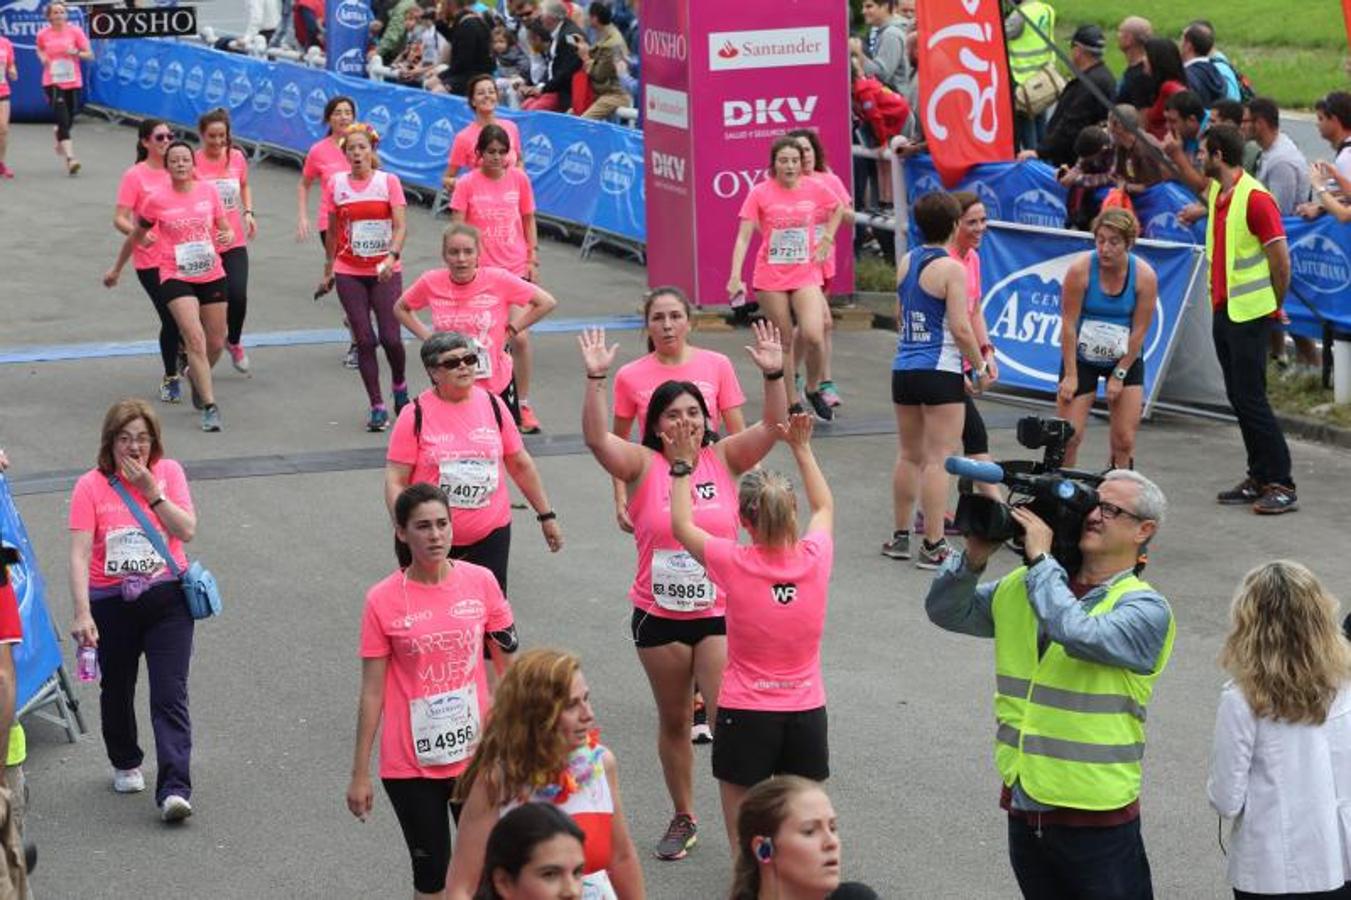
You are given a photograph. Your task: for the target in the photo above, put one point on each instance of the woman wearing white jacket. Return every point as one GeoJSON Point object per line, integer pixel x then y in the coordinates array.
{"type": "Point", "coordinates": [1281, 763]}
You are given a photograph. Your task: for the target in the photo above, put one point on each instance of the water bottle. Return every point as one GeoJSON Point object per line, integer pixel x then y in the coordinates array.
{"type": "Point", "coordinates": [87, 664]}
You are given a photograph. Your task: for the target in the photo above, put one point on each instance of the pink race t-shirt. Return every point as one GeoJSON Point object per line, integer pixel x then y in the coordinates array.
{"type": "Point", "coordinates": [187, 222]}
{"type": "Point", "coordinates": [60, 49]}
{"type": "Point", "coordinates": [479, 310]}
{"type": "Point", "coordinates": [436, 692]}
{"type": "Point", "coordinates": [462, 449]}
{"type": "Point", "coordinates": [669, 582]}
{"type": "Point", "coordinates": [6, 60]}
{"type": "Point", "coordinates": [138, 183]}
{"type": "Point", "coordinates": [324, 159]}
{"type": "Point", "coordinates": [711, 372]}
{"type": "Point", "coordinates": [496, 207]}
{"type": "Point", "coordinates": [787, 220]}
{"type": "Point", "coordinates": [973, 290]}
{"type": "Point", "coordinates": [832, 183]}
{"type": "Point", "coordinates": [776, 614]}
{"type": "Point", "coordinates": [463, 148]}
{"type": "Point", "coordinates": [120, 546]}
{"type": "Point", "coordinates": [229, 175]}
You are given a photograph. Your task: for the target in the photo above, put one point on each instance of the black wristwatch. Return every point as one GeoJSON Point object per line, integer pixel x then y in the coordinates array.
{"type": "Point", "coordinates": [546, 516]}
{"type": "Point", "coordinates": [681, 469]}
{"type": "Point", "coordinates": [1031, 563]}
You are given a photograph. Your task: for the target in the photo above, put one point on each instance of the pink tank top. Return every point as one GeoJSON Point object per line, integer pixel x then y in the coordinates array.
{"type": "Point", "coordinates": [669, 582]}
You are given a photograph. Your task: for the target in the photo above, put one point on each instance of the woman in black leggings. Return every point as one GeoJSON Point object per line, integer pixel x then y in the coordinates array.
{"type": "Point", "coordinates": [60, 48]}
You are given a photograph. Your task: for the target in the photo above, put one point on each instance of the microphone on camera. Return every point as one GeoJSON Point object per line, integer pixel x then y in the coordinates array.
{"type": "Point", "coordinates": [975, 469]}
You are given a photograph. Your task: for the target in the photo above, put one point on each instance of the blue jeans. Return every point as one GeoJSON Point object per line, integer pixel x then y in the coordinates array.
{"type": "Point", "coordinates": [1059, 862]}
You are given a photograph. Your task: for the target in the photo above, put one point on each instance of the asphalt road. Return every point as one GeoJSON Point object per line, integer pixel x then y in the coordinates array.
{"type": "Point", "coordinates": [292, 522]}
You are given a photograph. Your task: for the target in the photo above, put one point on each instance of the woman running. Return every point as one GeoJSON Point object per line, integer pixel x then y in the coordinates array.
{"type": "Point", "coordinates": [8, 72]}
{"type": "Point", "coordinates": [128, 602]}
{"type": "Point", "coordinates": [496, 198]}
{"type": "Point", "coordinates": [965, 248]}
{"type": "Point", "coordinates": [482, 94]}
{"type": "Point", "coordinates": [535, 852]}
{"type": "Point", "coordinates": [459, 436]}
{"type": "Point", "coordinates": [477, 302]}
{"type": "Point", "coordinates": [772, 708]}
{"type": "Point", "coordinates": [678, 626]}
{"type": "Point", "coordinates": [928, 391]}
{"type": "Point", "coordinates": [222, 164]}
{"type": "Point", "coordinates": [814, 166]}
{"type": "Point", "coordinates": [191, 223]}
{"type": "Point", "coordinates": [422, 681]}
{"type": "Point", "coordinates": [364, 238]}
{"type": "Point", "coordinates": [541, 746]}
{"type": "Point", "coordinates": [1106, 307]}
{"type": "Point", "coordinates": [60, 47]}
{"type": "Point", "coordinates": [788, 276]}
{"type": "Point", "coordinates": [144, 178]}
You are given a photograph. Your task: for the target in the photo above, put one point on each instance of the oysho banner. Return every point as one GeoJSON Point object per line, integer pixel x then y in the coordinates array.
{"type": "Point", "coordinates": [585, 172]}
{"type": "Point", "coordinates": [39, 655]}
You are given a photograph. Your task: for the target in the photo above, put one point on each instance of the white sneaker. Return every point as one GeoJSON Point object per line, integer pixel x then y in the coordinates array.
{"type": "Point", "coordinates": [128, 781]}
{"type": "Point", "coordinates": [175, 809]}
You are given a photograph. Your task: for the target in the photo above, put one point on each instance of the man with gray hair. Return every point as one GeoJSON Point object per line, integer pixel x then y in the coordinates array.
{"type": "Point", "coordinates": [1076, 658]}
{"type": "Point", "coordinates": [564, 61]}
{"type": "Point", "coordinates": [1137, 86]}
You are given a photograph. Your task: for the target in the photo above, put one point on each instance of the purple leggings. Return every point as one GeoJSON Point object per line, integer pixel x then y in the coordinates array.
{"type": "Point", "coordinates": [362, 295]}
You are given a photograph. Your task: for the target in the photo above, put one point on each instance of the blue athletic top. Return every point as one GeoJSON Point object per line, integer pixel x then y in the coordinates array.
{"type": "Point", "coordinates": [1104, 307]}
{"type": "Point", "coordinates": [924, 342]}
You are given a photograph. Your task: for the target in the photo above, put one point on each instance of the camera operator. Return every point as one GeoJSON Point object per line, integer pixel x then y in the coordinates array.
{"type": "Point", "coordinates": [1076, 657]}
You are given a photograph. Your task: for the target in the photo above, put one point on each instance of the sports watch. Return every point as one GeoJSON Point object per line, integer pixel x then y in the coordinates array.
{"type": "Point", "coordinates": [680, 469]}
{"type": "Point", "coordinates": [1119, 373]}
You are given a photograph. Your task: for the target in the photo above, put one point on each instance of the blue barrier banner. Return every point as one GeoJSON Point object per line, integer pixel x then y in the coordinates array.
{"type": "Point", "coordinates": [1023, 273]}
{"type": "Point", "coordinates": [583, 171]}
{"type": "Point", "coordinates": [1320, 275]}
{"type": "Point", "coordinates": [39, 655]}
{"type": "Point", "coordinates": [1023, 192]}
{"type": "Point", "coordinates": [346, 31]}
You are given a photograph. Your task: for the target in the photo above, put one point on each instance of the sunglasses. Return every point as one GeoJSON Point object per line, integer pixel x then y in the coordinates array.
{"type": "Point", "coordinates": [161, 138]}
{"type": "Point", "coordinates": [451, 363]}
{"type": "Point", "coordinates": [1111, 511]}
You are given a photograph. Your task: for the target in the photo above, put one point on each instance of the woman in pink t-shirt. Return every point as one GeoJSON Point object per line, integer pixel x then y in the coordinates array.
{"type": "Point", "coordinates": [224, 165]}
{"type": "Point", "coordinates": [478, 302]}
{"type": "Point", "coordinates": [965, 248]}
{"type": "Point", "coordinates": [147, 176]}
{"type": "Point", "coordinates": [496, 198]}
{"type": "Point", "coordinates": [60, 47]}
{"type": "Point", "coordinates": [772, 707]}
{"type": "Point", "coordinates": [677, 622]}
{"type": "Point", "coordinates": [482, 94]}
{"type": "Point", "coordinates": [128, 602]}
{"type": "Point", "coordinates": [191, 223]}
{"type": "Point", "coordinates": [423, 683]}
{"type": "Point", "coordinates": [8, 72]}
{"type": "Point", "coordinates": [788, 267]}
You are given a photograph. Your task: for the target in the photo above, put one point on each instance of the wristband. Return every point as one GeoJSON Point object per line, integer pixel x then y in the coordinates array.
{"type": "Point", "coordinates": [546, 516]}
{"type": "Point", "coordinates": [1033, 563]}
{"type": "Point", "coordinates": [774, 376]}
{"type": "Point", "coordinates": [512, 330]}
{"type": "Point", "coordinates": [601, 377]}
{"type": "Point", "coordinates": [986, 349]}
{"type": "Point", "coordinates": [397, 254]}
{"type": "Point", "coordinates": [158, 501]}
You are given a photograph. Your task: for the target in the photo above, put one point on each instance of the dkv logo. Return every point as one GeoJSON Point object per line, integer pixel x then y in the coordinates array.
{"type": "Point", "coordinates": [439, 137]}
{"type": "Point", "coordinates": [408, 131]}
{"type": "Point", "coordinates": [618, 173]}
{"type": "Point", "coordinates": [577, 163]}
{"type": "Point", "coordinates": [669, 166]}
{"type": "Point", "coordinates": [1317, 261]}
{"type": "Point", "coordinates": [288, 104]}
{"type": "Point", "coordinates": [539, 155]}
{"type": "Point", "coordinates": [768, 111]}
{"type": "Point", "coordinates": [172, 79]}
{"type": "Point", "coordinates": [265, 96]}
{"type": "Point", "coordinates": [1038, 207]}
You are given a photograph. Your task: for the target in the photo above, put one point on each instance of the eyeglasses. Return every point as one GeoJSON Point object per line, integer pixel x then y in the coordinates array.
{"type": "Point", "coordinates": [127, 440]}
{"type": "Point", "coordinates": [451, 363]}
{"type": "Point", "coordinates": [1111, 511]}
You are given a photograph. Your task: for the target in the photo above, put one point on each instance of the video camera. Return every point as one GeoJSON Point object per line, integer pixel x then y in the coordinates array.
{"type": "Point", "coordinates": [1061, 497]}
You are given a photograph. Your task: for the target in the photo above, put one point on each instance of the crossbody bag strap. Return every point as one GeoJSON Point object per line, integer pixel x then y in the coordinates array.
{"type": "Point", "coordinates": [151, 532]}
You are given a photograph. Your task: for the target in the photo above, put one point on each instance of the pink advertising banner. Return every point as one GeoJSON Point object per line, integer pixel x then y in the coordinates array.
{"type": "Point", "coordinates": [721, 81]}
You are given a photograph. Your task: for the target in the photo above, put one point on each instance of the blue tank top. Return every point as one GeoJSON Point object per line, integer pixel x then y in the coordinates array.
{"type": "Point", "coordinates": [924, 341]}
{"type": "Point", "coordinates": [1104, 307]}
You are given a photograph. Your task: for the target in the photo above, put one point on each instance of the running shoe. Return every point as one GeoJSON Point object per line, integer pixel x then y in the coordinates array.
{"type": "Point", "coordinates": [211, 418]}
{"type": "Point", "coordinates": [175, 808]}
{"type": "Point", "coordinates": [899, 545]}
{"type": "Point", "coordinates": [6, 171]}
{"type": "Point", "coordinates": [831, 394]}
{"type": "Point", "coordinates": [73, 167]}
{"type": "Point", "coordinates": [400, 398]}
{"type": "Point", "coordinates": [529, 423]}
{"type": "Point", "coordinates": [700, 733]}
{"type": "Point", "coordinates": [931, 556]}
{"type": "Point", "coordinates": [378, 420]}
{"type": "Point", "coordinates": [238, 357]}
{"type": "Point", "coordinates": [128, 781]}
{"type": "Point", "coordinates": [1245, 492]}
{"type": "Point", "coordinates": [349, 360]}
{"type": "Point", "coordinates": [170, 389]}
{"type": "Point", "coordinates": [1276, 499]}
{"type": "Point", "coordinates": [820, 406]}
{"type": "Point", "coordinates": [681, 835]}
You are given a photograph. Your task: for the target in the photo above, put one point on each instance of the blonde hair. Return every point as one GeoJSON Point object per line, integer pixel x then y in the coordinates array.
{"type": "Point", "coordinates": [1285, 650]}
{"type": "Point", "coordinates": [457, 228]}
{"type": "Point", "coordinates": [1120, 220]}
{"type": "Point", "coordinates": [521, 749]}
{"type": "Point", "coordinates": [767, 501]}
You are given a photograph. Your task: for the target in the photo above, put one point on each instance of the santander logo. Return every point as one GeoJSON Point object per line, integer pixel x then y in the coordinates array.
{"type": "Point", "coordinates": [728, 51]}
{"type": "Point", "coordinates": [768, 48]}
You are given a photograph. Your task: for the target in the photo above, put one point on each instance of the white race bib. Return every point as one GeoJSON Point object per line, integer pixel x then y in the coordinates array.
{"type": "Point", "coordinates": [596, 886]}
{"type": "Point", "coordinates": [63, 70]}
{"type": "Point", "coordinates": [469, 482]}
{"type": "Point", "coordinates": [228, 189]}
{"type": "Point", "coordinates": [372, 237]}
{"type": "Point", "coordinates": [194, 258]}
{"type": "Point", "coordinates": [679, 583]}
{"type": "Point", "coordinates": [445, 726]}
{"type": "Point", "coordinates": [1102, 343]}
{"type": "Point", "coordinates": [129, 552]}
{"type": "Point", "coordinates": [788, 246]}
{"type": "Point", "coordinates": [484, 369]}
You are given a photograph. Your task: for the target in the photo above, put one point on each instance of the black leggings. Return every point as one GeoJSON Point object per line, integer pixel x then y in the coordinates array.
{"type": "Point", "coordinates": [236, 262]}
{"type": "Point", "coordinates": [421, 805]}
{"type": "Point", "coordinates": [169, 339]}
{"type": "Point", "coordinates": [63, 102]}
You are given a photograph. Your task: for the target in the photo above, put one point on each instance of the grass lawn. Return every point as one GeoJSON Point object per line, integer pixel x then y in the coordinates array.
{"type": "Point", "coordinates": [1293, 52]}
{"type": "Point", "coordinates": [1301, 394]}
